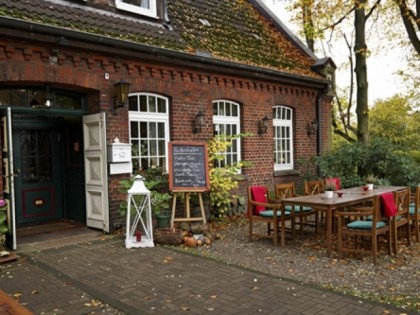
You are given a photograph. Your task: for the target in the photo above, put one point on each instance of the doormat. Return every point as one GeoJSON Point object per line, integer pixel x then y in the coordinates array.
{"type": "Point", "coordinates": [9, 258]}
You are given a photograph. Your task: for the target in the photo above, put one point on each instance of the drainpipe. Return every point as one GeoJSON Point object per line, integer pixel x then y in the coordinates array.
{"type": "Point", "coordinates": [319, 119]}
{"type": "Point", "coordinates": [166, 21]}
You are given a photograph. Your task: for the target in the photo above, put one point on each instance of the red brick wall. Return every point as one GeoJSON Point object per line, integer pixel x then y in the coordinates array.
{"type": "Point", "coordinates": [188, 90]}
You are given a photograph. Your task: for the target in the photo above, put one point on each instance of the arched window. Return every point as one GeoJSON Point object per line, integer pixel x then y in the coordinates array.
{"type": "Point", "coordinates": [283, 138]}
{"type": "Point", "coordinates": [226, 121]}
{"type": "Point", "coordinates": [149, 130]}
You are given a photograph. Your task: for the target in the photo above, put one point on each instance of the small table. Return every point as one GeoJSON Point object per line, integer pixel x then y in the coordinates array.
{"type": "Point", "coordinates": [350, 197]}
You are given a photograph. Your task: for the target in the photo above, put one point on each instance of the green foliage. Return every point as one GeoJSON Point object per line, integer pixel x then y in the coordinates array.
{"type": "Point", "coordinates": [353, 162]}
{"type": "Point", "coordinates": [3, 222]}
{"type": "Point", "coordinates": [222, 178]}
{"type": "Point", "coordinates": [155, 181]}
{"type": "Point", "coordinates": [394, 120]}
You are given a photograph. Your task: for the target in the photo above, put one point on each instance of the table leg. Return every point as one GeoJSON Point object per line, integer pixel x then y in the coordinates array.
{"type": "Point", "coordinates": [329, 231]}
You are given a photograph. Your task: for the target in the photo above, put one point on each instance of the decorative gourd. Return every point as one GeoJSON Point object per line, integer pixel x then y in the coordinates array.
{"type": "Point", "coordinates": [190, 241]}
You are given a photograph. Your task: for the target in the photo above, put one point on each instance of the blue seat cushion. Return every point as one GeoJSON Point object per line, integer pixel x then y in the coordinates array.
{"type": "Point", "coordinates": [269, 213]}
{"type": "Point", "coordinates": [413, 210]}
{"type": "Point", "coordinates": [297, 208]}
{"type": "Point", "coordinates": [364, 225]}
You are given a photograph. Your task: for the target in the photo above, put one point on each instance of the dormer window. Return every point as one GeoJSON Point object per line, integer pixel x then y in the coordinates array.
{"type": "Point", "coordinates": [143, 7]}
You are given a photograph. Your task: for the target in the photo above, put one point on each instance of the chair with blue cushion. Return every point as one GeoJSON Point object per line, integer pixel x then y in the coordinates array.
{"type": "Point", "coordinates": [287, 190]}
{"type": "Point", "coordinates": [415, 212]}
{"type": "Point", "coordinates": [274, 214]}
{"type": "Point", "coordinates": [401, 221]}
{"type": "Point", "coordinates": [357, 235]}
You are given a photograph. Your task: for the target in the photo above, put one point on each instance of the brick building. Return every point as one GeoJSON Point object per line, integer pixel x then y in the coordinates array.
{"type": "Point", "coordinates": [232, 60]}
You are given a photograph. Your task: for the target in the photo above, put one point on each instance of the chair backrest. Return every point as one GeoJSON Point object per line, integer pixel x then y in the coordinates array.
{"type": "Point", "coordinates": [285, 190]}
{"type": "Point", "coordinates": [257, 194]}
{"type": "Point", "coordinates": [337, 182]}
{"type": "Point", "coordinates": [314, 187]}
{"type": "Point", "coordinates": [402, 201]}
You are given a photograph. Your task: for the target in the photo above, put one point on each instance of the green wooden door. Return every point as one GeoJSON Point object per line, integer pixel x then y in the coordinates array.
{"type": "Point", "coordinates": [37, 156]}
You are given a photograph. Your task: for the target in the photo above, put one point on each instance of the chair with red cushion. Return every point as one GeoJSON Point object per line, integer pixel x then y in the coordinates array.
{"type": "Point", "coordinates": [273, 214]}
{"type": "Point", "coordinates": [401, 219]}
{"type": "Point", "coordinates": [360, 227]}
{"type": "Point", "coordinates": [287, 190]}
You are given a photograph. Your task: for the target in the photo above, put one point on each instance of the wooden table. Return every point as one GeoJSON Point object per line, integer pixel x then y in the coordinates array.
{"type": "Point", "coordinates": [350, 197]}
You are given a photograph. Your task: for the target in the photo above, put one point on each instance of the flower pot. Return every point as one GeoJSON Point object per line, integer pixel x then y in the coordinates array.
{"type": "Point", "coordinates": [162, 220]}
{"type": "Point", "coordinates": [328, 194]}
{"type": "Point", "coordinates": [370, 186]}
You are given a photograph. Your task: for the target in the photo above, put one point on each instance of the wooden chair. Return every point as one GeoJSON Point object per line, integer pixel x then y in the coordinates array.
{"type": "Point", "coordinates": [401, 221]}
{"type": "Point", "coordinates": [314, 187]}
{"type": "Point", "coordinates": [355, 231]}
{"type": "Point", "coordinates": [287, 190]}
{"type": "Point", "coordinates": [415, 212]}
{"type": "Point", "coordinates": [274, 214]}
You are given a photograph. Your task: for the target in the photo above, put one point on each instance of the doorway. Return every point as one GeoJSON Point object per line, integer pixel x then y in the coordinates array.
{"type": "Point", "coordinates": [48, 162]}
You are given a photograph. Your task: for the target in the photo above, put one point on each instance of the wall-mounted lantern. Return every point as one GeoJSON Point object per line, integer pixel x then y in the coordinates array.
{"type": "Point", "coordinates": [263, 125]}
{"type": "Point", "coordinates": [198, 122]}
{"type": "Point", "coordinates": [122, 88]}
{"type": "Point", "coordinates": [312, 127]}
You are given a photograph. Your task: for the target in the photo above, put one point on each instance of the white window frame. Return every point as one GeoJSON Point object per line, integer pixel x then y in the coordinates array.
{"type": "Point", "coordinates": [283, 137]}
{"type": "Point", "coordinates": [228, 120]}
{"type": "Point", "coordinates": [155, 117]}
{"type": "Point", "coordinates": [152, 11]}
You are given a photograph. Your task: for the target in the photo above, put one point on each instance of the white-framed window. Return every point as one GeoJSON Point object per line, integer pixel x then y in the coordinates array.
{"type": "Point", "coordinates": [149, 130]}
{"type": "Point", "coordinates": [226, 121]}
{"type": "Point", "coordinates": [143, 7]}
{"type": "Point", "coordinates": [283, 138]}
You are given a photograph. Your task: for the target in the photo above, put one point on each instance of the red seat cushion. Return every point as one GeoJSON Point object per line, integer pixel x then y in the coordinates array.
{"type": "Point", "coordinates": [259, 194]}
{"type": "Point", "coordinates": [389, 208]}
{"type": "Point", "coordinates": [337, 182]}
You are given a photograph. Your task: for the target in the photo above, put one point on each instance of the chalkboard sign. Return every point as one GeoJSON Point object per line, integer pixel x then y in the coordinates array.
{"type": "Point", "coordinates": [188, 167]}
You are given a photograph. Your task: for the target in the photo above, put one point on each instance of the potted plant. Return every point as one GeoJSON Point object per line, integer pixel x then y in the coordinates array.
{"type": "Point", "coordinates": [329, 188]}
{"type": "Point", "coordinates": [157, 183]}
{"type": "Point", "coordinates": [3, 229]}
{"type": "Point", "coordinates": [370, 181]}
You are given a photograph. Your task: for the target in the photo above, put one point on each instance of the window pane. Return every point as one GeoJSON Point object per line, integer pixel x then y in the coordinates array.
{"type": "Point", "coordinates": [13, 98]}
{"type": "Point", "coordinates": [228, 109]}
{"type": "Point", "coordinates": [132, 103]}
{"type": "Point", "coordinates": [215, 108]}
{"type": "Point", "coordinates": [143, 129]}
{"type": "Point", "coordinates": [162, 147]}
{"type": "Point", "coordinates": [143, 103]}
{"type": "Point", "coordinates": [152, 130]}
{"type": "Point", "coordinates": [153, 148]}
{"type": "Point", "coordinates": [134, 127]}
{"type": "Point", "coordinates": [144, 149]}
{"type": "Point", "coordinates": [161, 130]}
{"type": "Point", "coordinates": [152, 104]}
{"type": "Point", "coordinates": [161, 105]}
{"type": "Point", "coordinates": [235, 110]}
{"type": "Point", "coordinates": [135, 150]}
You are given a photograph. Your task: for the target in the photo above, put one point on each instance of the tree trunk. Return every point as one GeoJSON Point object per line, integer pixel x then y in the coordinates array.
{"type": "Point", "coordinates": [360, 49]}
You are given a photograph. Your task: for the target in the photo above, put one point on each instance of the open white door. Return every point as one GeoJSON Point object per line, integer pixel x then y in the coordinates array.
{"type": "Point", "coordinates": [96, 177]}
{"type": "Point", "coordinates": [9, 175]}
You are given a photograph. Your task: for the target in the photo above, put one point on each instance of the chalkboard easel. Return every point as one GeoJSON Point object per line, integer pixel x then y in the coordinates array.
{"type": "Point", "coordinates": [188, 172]}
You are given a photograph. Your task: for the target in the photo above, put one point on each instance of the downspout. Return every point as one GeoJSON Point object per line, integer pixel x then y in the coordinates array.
{"type": "Point", "coordinates": [319, 119]}
{"type": "Point", "coordinates": [166, 21]}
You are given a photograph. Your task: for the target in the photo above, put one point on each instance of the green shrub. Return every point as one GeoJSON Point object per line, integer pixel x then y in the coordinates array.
{"type": "Point", "coordinates": [353, 162]}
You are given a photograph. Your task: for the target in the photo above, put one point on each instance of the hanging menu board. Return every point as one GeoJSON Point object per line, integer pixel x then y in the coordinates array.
{"type": "Point", "coordinates": [188, 167]}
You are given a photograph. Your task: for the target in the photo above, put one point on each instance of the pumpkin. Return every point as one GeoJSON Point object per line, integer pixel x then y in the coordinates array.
{"type": "Point", "coordinates": [207, 241]}
{"type": "Point", "coordinates": [190, 241]}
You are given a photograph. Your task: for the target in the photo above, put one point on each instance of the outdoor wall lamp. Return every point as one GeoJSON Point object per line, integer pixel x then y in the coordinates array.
{"type": "Point", "coordinates": [122, 89]}
{"type": "Point", "coordinates": [263, 125]}
{"type": "Point", "coordinates": [37, 100]}
{"type": "Point", "coordinates": [48, 99]}
{"type": "Point", "coordinates": [312, 127]}
{"type": "Point", "coordinates": [198, 121]}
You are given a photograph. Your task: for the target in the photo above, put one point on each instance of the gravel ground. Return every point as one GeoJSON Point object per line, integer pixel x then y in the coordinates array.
{"type": "Point", "coordinates": [395, 279]}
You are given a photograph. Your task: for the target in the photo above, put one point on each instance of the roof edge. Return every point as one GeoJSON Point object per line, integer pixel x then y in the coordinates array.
{"type": "Point", "coordinates": [65, 36]}
{"type": "Point", "coordinates": [281, 27]}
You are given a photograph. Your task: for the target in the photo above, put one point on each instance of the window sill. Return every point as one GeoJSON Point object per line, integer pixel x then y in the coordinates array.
{"type": "Point", "coordinates": [285, 173]}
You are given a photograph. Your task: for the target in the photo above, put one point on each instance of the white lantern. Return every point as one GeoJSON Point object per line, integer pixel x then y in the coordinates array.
{"type": "Point", "coordinates": [140, 232]}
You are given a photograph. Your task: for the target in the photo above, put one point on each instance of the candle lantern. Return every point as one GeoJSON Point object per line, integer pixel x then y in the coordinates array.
{"type": "Point", "coordinates": [139, 233]}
